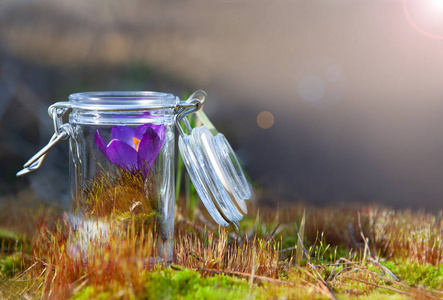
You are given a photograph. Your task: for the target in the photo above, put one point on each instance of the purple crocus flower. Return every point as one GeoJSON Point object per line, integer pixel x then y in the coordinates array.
{"type": "Point", "coordinates": [132, 149]}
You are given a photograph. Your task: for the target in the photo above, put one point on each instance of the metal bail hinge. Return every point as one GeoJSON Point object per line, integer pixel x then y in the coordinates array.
{"type": "Point", "coordinates": [190, 106]}
{"type": "Point", "coordinates": [61, 132]}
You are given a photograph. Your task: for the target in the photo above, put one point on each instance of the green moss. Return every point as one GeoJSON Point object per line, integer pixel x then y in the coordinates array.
{"type": "Point", "coordinates": [188, 284]}
{"type": "Point", "coordinates": [378, 296]}
{"type": "Point", "coordinates": [8, 240]}
{"type": "Point", "coordinates": [89, 292]}
{"type": "Point", "coordinates": [7, 235]}
{"type": "Point", "coordinates": [270, 291]}
{"type": "Point", "coordinates": [289, 242]}
{"type": "Point", "coordinates": [415, 274]}
{"type": "Point", "coordinates": [12, 264]}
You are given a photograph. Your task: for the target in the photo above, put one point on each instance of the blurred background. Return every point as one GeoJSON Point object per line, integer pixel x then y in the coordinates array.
{"type": "Point", "coordinates": [325, 101]}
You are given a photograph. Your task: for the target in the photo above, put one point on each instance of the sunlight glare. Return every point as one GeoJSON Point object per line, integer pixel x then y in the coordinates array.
{"type": "Point", "coordinates": [426, 16]}
{"type": "Point", "coordinates": [436, 4]}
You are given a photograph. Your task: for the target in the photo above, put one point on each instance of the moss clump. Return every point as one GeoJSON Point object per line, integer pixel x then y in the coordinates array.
{"type": "Point", "coordinates": [12, 264]}
{"type": "Point", "coordinates": [128, 197]}
{"type": "Point", "coordinates": [183, 284]}
{"type": "Point", "coordinates": [416, 274]}
{"type": "Point", "coordinates": [189, 284]}
{"type": "Point", "coordinates": [89, 292]}
{"type": "Point", "coordinates": [118, 193]}
{"type": "Point", "coordinates": [9, 240]}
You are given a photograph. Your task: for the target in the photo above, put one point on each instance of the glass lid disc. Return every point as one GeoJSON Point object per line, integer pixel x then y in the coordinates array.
{"type": "Point", "coordinates": [216, 174]}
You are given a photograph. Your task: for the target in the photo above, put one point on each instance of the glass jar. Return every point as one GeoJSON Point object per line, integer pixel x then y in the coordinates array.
{"type": "Point", "coordinates": [122, 163]}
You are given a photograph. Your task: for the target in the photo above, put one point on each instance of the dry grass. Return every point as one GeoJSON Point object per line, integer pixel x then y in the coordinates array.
{"type": "Point", "coordinates": [417, 236]}
{"type": "Point", "coordinates": [343, 252]}
{"type": "Point", "coordinates": [106, 262]}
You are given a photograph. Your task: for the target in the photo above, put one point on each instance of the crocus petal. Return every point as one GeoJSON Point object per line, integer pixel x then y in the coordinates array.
{"type": "Point", "coordinates": [121, 154]}
{"type": "Point", "coordinates": [140, 130]}
{"type": "Point", "coordinates": [160, 129]}
{"type": "Point", "coordinates": [124, 134]}
{"type": "Point", "coordinates": [149, 148]}
{"type": "Point", "coordinates": [101, 145]}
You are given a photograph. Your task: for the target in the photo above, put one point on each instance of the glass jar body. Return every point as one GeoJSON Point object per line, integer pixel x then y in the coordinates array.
{"type": "Point", "coordinates": [122, 168]}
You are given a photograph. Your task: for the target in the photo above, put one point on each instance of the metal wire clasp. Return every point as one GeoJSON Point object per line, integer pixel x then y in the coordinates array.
{"type": "Point", "coordinates": [190, 106]}
{"type": "Point", "coordinates": [61, 133]}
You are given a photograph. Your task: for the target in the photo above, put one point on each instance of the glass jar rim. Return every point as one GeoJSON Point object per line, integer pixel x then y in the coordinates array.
{"type": "Point", "coordinates": [122, 100]}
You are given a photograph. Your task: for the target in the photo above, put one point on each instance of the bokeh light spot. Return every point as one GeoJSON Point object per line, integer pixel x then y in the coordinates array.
{"type": "Point", "coordinates": [311, 88]}
{"type": "Point", "coordinates": [320, 82]}
{"type": "Point", "coordinates": [265, 119]}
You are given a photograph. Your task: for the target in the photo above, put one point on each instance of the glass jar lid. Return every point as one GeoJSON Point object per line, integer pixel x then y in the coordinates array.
{"type": "Point", "coordinates": [217, 175]}
{"type": "Point", "coordinates": [138, 100]}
